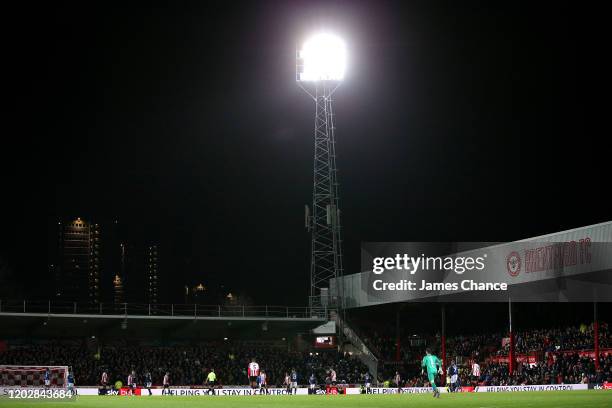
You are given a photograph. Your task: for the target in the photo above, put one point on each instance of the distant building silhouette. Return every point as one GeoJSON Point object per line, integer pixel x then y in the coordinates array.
{"type": "Point", "coordinates": [122, 270]}
{"type": "Point", "coordinates": [118, 290]}
{"type": "Point", "coordinates": [196, 293]}
{"type": "Point", "coordinates": [79, 262]}
{"type": "Point", "coordinates": [152, 274]}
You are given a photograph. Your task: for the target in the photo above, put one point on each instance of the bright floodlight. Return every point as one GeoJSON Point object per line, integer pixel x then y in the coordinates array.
{"type": "Point", "coordinates": [323, 58]}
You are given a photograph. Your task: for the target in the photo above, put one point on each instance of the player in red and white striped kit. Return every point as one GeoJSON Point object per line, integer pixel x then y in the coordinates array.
{"type": "Point", "coordinates": [287, 382]}
{"type": "Point", "coordinates": [131, 383]}
{"type": "Point", "coordinates": [475, 372]}
{"type": "Point", "coordinates": [253, 373]}
{"type": "Point", "coordinates": [104, 380]}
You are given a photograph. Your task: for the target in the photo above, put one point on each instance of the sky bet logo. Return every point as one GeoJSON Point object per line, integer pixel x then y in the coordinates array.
{"type": "Point", "coordinates": [458, 264]}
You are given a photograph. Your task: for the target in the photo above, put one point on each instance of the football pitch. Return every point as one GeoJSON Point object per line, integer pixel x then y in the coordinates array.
{"type": "Point", "coordinates": [552, 399]}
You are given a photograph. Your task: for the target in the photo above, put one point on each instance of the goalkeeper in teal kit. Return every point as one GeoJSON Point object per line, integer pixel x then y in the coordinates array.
{"type": "Point", "coordinates": [434, 366]}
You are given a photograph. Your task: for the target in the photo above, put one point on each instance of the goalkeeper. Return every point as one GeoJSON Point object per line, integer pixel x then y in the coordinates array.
{"type": "Point", "coordinates": [434, 366]}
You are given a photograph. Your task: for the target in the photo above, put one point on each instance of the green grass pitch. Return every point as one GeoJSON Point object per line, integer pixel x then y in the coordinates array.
{"type": "Point", "coordinates": [551, 399]}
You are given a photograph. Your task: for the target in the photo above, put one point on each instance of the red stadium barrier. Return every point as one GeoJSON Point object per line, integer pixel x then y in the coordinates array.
{"type": "Point", "coordinates": [533, 358]}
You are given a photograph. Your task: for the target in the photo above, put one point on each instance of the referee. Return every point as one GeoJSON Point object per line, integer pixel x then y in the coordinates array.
{"type": "Point", "coordinates": [211, 380]}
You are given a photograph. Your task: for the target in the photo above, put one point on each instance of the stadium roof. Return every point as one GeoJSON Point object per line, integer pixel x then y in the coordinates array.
{"type": "Point", "coordinates": [51, 325]}
{"type": "Point", "coordinates": [585, 280]}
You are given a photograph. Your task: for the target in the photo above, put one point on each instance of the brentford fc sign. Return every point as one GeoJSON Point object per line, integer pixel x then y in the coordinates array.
{"type": "Point", "coordinates": [550, 256]}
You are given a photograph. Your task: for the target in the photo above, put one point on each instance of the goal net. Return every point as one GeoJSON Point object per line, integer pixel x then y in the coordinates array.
{"type": "Point", "coordinates": [32, 376]}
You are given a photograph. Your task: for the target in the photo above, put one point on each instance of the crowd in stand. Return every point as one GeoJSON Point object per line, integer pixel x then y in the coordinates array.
{"type": "Point", "coordinates": [550, 340]}
{"type": "Point", "coordinates": [481, 345]}
{"type": "Point", "coordinates": [473, 346]}
{"type": "Point", "coordinates": [565, 369]}
{"type": "Point", "coordinates": [384, 345]}
{"type": "Point", "coordinates": [187, 365]}
{"type": "Point", "coordinates": [554, 367]}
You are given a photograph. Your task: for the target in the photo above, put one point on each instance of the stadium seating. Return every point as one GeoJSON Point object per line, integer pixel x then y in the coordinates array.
{"type": "Point", "coordinates": [558, 350]}
{"type": "Point", "coordinates": [188, 365]}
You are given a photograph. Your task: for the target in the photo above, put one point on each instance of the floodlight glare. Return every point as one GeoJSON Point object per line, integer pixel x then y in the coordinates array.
{"type": "Point", "coordinates": [323, 58]}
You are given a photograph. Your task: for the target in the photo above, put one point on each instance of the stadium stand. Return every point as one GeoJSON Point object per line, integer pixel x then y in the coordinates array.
{"type": "Point", "coordinates": [551, 340]}
{"type": "Point", "coordinates": [188, 365]}
{"type": "Point", "coordinates": [556, 353]}
{"type": "Point", "coordinates": [558, 358]}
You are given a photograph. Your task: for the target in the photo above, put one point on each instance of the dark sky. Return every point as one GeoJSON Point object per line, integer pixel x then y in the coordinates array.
{"type": "Point", "coordinates": [457, 121]}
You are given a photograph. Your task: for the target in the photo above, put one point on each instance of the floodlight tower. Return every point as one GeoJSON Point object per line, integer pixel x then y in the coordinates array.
{"type": "Point", "coordinates": [320, 66]}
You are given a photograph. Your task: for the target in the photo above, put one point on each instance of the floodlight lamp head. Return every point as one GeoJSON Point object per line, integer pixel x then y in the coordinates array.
{"type": "Point", "coordinates": [322, 58]}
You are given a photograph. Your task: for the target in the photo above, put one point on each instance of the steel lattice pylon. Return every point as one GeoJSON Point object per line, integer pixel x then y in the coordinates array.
{"type": "Point", "coordinates": [324, 221]}
{"type": "Point", "coordinates": [320, 68]}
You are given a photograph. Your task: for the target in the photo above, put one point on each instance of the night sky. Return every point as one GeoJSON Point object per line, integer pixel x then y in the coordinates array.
{"type": "Point", "coordinates": [457, 121]}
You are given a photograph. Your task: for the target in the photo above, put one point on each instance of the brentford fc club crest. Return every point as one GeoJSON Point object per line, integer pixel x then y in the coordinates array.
{"type": "Point", "coordinates": [513, 263]}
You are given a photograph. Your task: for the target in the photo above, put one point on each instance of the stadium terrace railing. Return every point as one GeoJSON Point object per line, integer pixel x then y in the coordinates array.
{"type": "Point", "coordinates": [142, 309]}
{"type": "Point", "coordinates": [364, 353]}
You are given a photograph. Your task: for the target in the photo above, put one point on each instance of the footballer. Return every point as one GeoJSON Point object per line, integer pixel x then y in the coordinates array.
{"type": "Point", "coordinates": [433, 365]}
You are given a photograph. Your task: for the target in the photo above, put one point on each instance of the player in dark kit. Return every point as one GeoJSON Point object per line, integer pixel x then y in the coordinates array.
{"type": "Point", "coordinates": [47, 378]}
{"type": "Point", "coordinates": [148, 382]}
{"type": "Point", "coordinates": [367, 382]}
{"type": "Point", "coordinates": [294, 382]}
{"type": "Point", "coordinates": [312, 384]}
{"type": "Point", "coordinates": [70, 379]}
{"type": "Point", "coordinates": [453, 373]}
{"type": "Point", "coordinates": [262, 380]}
